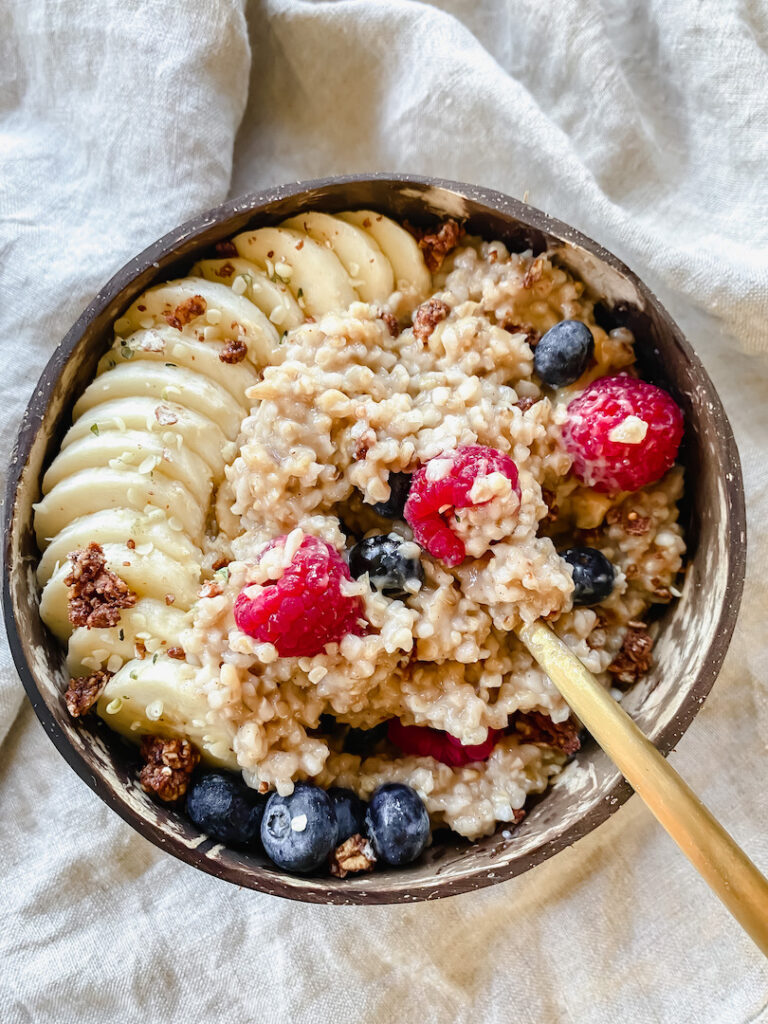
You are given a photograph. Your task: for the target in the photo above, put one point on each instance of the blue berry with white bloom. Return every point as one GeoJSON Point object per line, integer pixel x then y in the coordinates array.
{"type": "Point", "coordinates": [563, 353]}
{"type": "Point", "coordinates": [397, 823]}
{"type": "Point", "coordinates": [298, 831]}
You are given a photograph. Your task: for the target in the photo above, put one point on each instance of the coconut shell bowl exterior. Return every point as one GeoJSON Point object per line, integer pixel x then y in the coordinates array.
{"type": "Point", "coordinates": [694, 632]}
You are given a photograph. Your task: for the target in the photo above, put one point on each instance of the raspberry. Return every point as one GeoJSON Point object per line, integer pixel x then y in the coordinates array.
{"type": "Point", "coordinates": [422, 741]}
{"type": "Point", "coordinates": [432, 503]}
{"type": "Point", "coordinates": [305, 609]}
{"type": "Point", "coordinates": [622, 433]}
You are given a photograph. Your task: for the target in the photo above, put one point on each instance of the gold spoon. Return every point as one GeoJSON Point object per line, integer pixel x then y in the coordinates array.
{"type": "Point", "coordinates": [706, 844]}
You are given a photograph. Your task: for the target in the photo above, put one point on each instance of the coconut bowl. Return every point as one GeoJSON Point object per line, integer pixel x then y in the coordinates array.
{"type": "Point", "coordinates": [693, 632]}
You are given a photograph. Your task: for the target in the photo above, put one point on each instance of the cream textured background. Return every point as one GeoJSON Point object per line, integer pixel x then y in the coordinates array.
{"type": "Point", "coordinates": [645, 125]}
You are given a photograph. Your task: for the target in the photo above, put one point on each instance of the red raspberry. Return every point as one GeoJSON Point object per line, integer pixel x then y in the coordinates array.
{"type": "Point", "coordinates": [616, 465]}
{"type": "Point", "coordinates": [422, 741]}
{"type": "Point", "coordinates": [432, 504]}
{"type": "Point", "coordinates": [305, 609]}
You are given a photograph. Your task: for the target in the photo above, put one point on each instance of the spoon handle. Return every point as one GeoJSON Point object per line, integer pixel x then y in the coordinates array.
{"type": "Point", "coordinates": [706, 844]}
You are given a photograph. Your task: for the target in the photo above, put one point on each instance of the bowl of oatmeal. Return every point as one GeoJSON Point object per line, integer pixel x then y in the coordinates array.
{"type": "Point", "coordinates": [287, 488]}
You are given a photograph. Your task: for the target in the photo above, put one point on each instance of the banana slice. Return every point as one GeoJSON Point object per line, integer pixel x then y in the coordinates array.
{"type": "Point", "coordinates": [115, 526]}
{"type": "Point", "coordinates": [171, 348]}
{"type": "Point", "coordinates": [165, 698]}
{"type": "Point", "coordinates": [272, 297]}
{"type": "Point", "coordinates": [92, 490]}
{"type": "Point", "coordinates": [132, 449]}
{"type": "Point", "coordinates": [400, 248]}
{"type": "Point", "coordinates": [234, 315]}
{"type": "Point", "coordinates": [312, 272]}
{"type": "Point", "coordinates": [229, 523]}
{"type": "Point", "coordinates": [150, 623]}
{"type": "Point", "coordinates": [150, 575]}
{"type": "Point", "coordinates": [166, 383]}
{"type": "Point", "coordinates": [369, 270]}
{"type": "Point", "coordinates": [172, 422]}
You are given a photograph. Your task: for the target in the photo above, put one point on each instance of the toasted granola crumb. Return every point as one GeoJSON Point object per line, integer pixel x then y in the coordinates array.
{"type": "Point", "coordinates": [534, 727]}
{"type": "Point", "coordinates": [634, 658]}
{"type": "Point", "coordinates": [83, 692]}
{"type": "Point", "coordinates": [165, 416]}
{"type": "Point", "coordinates": [130, 543]}
{"type": "Point", "coordinates": [553, 511]}
{"type": "Point", "coordinates": [426, 318]}
{"type": "Point", "coordinates": [234, 351]}
{"type": "Point", "coordinates": [437, 244]}
{"type": "Point", "coordinates": [220, 563]}
{"type": "Point", "coordinates": [630, 520]}
{"type": "Point", "coordinates": [534, 272]}
{"type": "Point", "coordinates": [225, 270]}
{"type": "Point", "coordinates": [96, 594]}
{"type": "Point", "coordinates": [176, 652]}
{"type": "Point", "coordinates": [524, 404]}
{"type": "Point", "coordinates": [391, 322]}
{"type": "Point", "coordinates": [353, 856]}
{"type": "Point", "coordinates": [140, 649]}
{"type": "Point", "coordinates": [186, 312]}
{"type": "Point", "coordinates": [170, 599]}
{"type": "Point", "coordinates": [169, 765]}
{"type": "Point", "coordinates": [532, 336]}
{"type": "Point", "coordinates": [210, 589]}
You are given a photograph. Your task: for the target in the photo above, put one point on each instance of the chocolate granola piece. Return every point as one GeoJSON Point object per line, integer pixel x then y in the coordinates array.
{"type": "Point", "coordinates": [534, 727]}
{"type": "Point", "coordinates": [353, 856]}
{"type": "Point", "coordinates": [391, 322]}
{"type": "Point", "coordinates": [186, 312]}
{"type": "Point", "coordinates": [234, 351]}
{"type": "Point", "coordinates": [169, 766]}
{"type": "Point", "coordinates": [634, 658]}
{"type": "Point", "coordinates": [96, 594]}
{"type": "Point", "coordinates": [83, 692]}
{"type": "Point", "coordinates": [427, 316]}
{"type": "Point", "coordinates": [437, 244]}
{"type": "Point", "coordinates": [225, 249]}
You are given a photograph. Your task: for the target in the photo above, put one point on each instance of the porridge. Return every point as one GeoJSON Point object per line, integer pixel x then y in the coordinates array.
{"type": "Point", "coordinates": [312, 491]}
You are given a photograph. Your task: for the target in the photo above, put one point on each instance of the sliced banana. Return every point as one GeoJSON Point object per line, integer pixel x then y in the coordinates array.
{"type": "Point", "coordinates": [172, 422]}
{"type": "Point", "coordinates": [150, 623]}
{"type": "Point", "coordinates": [92, 490]}
{"type": "Point", "coordinates": [233, 314]}
{"type": "Point", "coordinates": [400, 248]}
{"type": "Point", "coordinates": [369, 270]}
{"type": "Point", "coordinates": [150, 575]}
{"type": "Point", "coordinates": [173, 349]}
{"type": "Point", "coordinates": [229, 523]}
{"type": "Point", "coordinates": [165, 697]}
{"type": "Point", "coordinates": [166, 383]}
{"type": "Point", "coordinates": [313, 273]}
{"type": "Point", "coordinates": [132, 449]}
{"type": "Point", "coordinates": [272, 297]}
{"type": "Point", "coordinates": [115, 526]}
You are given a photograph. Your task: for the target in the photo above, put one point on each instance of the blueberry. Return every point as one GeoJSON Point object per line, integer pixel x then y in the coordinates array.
{"type": "Point", "coordinates": [392, 508]}
{"type": "Point", "coordinates": [397, 823]}
{"type": "Point", "coordinates": [224, 807]}
{"type": "Point", "coordinates": [593, 575]}
{"type": "Point", "coordinates": [299, 831]}
{"type": "Point", "coordinates": [563, 353]}
{"type": "Point", "coordinates": [390, 562]}
{"type": "Point", "coordinates": [350, 813]}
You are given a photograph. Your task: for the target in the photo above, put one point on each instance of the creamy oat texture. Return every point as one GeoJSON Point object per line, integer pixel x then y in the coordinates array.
{"type": "Point", "coordinates": [336, 406]}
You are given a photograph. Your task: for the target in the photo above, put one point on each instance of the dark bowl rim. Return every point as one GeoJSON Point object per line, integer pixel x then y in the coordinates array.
{"type": "Point", "coordinates": [278, 883]}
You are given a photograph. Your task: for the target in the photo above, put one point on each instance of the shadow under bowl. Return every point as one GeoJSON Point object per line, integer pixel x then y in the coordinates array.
{"type": "Point", "coordinates": [694, 632]}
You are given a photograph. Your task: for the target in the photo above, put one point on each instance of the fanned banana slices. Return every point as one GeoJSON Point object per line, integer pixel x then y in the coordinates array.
{"type": "Point", "coordinates": [141, 470]}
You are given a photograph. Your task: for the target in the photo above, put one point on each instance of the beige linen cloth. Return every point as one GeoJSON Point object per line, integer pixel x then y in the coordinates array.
{"type": "Point", "coordinates": [643, 124]}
